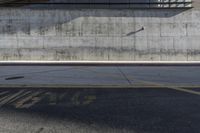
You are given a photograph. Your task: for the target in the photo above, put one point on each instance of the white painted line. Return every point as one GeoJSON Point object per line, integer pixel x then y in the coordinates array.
{"type": "Point", "coordinates": [85, 61]}
{"type": "Point", "coordinates": [101, 63]}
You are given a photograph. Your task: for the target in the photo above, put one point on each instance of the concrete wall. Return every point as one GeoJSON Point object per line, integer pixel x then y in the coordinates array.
{"type": "Point", "coordinates": [100, 34]}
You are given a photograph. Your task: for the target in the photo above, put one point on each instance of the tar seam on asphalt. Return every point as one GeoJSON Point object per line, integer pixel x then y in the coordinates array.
{"type": "Point", "coordinates": [124, 75]}
{"type": "Point", "coordinates": [40, 72]}
{"type": "Point", "coordinates": [13, 78]}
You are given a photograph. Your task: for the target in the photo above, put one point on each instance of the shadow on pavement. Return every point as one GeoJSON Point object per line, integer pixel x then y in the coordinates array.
{"type": "Point", "coordinates": [139, 110]}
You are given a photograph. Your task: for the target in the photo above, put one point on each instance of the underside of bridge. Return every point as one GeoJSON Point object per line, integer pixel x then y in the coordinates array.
{"type": "Point", "coordinates": [105, 3]}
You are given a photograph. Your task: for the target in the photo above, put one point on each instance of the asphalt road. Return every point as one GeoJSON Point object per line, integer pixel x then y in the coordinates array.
{"type": "Point", "coordinates": [63, 76]}
{"type": "Point", "coordinates": [163, 107]}
{"type": "Point", "coordinates": [142, 110]}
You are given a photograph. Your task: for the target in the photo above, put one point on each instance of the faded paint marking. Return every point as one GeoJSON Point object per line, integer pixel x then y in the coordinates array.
{"type": "Point", "coordinates": [89, 99]}
{"type": "Point", "coordinates": [77, 99]}
{"type": "Point", "coordinates": [32, 98]}
{"type": "Point", "coordinates": [20, 96]}
{"type": "Point", "coordinates": [3, 93]}
{"type": "Point", "coordinates": [10, 97]}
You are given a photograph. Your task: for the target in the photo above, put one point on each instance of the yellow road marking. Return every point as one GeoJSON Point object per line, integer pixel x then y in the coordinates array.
{"type": "Point", "coordinates": [33, 97]}
{"type": "Point", "coordinates": [153, 83]}
{"type": "Point", "coordinates": [116, 76]}
{"type": "Point", "coordinates": [89, 99]}
{"type": "Point", "coordinates": [77, 99]}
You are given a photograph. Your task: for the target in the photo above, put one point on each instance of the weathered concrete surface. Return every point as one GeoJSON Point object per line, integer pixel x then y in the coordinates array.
{"type": "Point", "coordinates": [100, 34]}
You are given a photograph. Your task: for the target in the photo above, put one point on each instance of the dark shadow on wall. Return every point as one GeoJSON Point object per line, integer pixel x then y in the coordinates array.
{"type": "Point", "coordinates": [139, 110]}
{"type": "Point", "coordinates": [97, 4]}
{"type": "Point", "coordinates": [25, 19]}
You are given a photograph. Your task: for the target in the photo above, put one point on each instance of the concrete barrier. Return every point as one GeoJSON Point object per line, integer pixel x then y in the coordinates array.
{"type": "Point", "coordinates": [100, 34]}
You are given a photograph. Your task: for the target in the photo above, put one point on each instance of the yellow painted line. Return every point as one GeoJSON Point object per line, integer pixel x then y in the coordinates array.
{"type": "Point", "coordinates": [185, 90]}
{"type": "Point", "coordinates": [182, 89]}
{"type": "Point", "coordinates": [143, 84]}
{"type": "Point", "coordinates": [159, 85]}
